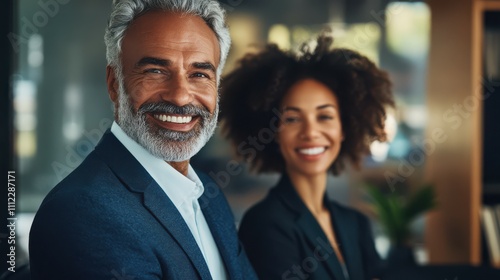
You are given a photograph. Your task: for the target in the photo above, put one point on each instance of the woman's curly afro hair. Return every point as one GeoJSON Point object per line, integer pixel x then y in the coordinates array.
{"type": "Point", "coordinates": [251, 97]}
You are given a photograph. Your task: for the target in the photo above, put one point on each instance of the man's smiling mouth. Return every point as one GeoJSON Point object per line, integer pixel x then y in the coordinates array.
{"type": "Point", "coordinates": [173, 118]}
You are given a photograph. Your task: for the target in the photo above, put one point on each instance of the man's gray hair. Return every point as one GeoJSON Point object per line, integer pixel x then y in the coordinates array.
{"type": "Point", "coordinates": [125, 11]}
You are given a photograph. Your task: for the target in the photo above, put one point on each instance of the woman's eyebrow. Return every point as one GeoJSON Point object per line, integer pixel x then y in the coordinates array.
{"type": "Point", "coordinates": [289, 108]}
{"type": "Point", "coordinates": [320, 107]}
{"type": "Point", "coordinates": [326, 106]}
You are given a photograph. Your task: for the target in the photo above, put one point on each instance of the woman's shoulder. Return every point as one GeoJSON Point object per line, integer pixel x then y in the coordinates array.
{"type": "Point", "coordinates": [269, 212]}
{"type": "Point", "coordinates": [271, 207]}
{"type": "Point", "coordinates": [348, 211]}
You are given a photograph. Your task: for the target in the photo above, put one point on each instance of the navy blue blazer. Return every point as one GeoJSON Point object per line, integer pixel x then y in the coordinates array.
{"type": "Point", "coordinates": [283, 240]}
{"type": "Point", "coordinates": [110, 220]}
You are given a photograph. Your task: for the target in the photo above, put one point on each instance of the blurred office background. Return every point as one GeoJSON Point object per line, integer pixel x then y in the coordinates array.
{"type": "Point", "coordinates": [61, 106]}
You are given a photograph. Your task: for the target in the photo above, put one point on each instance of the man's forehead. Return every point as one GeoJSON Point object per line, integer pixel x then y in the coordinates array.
{"type": "Point", "coordinates": [170, 21]}
{"type": "Point", "coordinates": [173, 30]}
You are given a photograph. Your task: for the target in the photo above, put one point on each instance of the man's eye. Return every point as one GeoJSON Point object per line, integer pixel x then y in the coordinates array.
{"type": "Point", "coordinates": [153, 71]}
{"type": "Point", "coordinates": [200, 75]}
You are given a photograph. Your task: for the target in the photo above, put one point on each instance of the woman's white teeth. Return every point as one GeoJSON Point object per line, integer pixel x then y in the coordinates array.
{"type": "Point", "coordinates": [312, 151]}
{"type": "Point", "coordinates": [173, 119]}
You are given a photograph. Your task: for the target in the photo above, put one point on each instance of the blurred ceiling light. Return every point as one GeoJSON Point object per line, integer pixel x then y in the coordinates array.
{"type": "Point", "coordinates": [408, 28]}
{"type": "Point", "coordinates": [24, 105]}
{"type": "Point", "coordinates": [382, 245]}
{"type": "Point", "coordinates": [363, 38]}
{"type": "Point", "coordinates": [279, 34]}
{"type": "Point", "coordinates": [25, 121]}
{"type": "Point", "coordinates": [35, 51]}
{"type": "Point", "coordinates": [24, 96]}
{"type": "Point", "coordinates": [380, 150]}
{"type": "Point", "coordinates": [390, 126]}
{"type": "Point", "coordinates": [25, 144]}
{"type": "Point", "coordinates": [338, 29]}
{"type": "Point", "coordinates": [73, 113]}
{"type": "Point", "coordinates": [415, 116]}
{"type": "Point", "coordinates": [300, 34]}
{"type": "Point", "coordinates": [245, 31]}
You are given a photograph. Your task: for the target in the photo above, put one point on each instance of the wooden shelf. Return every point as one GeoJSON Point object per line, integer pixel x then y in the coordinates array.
{"type": "Point", "coordinates": [455, 106]}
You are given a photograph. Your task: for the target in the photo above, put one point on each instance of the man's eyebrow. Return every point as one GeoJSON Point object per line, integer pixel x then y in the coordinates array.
{"type": "Point", "coordinates": [204, 65]}
{"type": "Point", "coordinates": [153, 61]}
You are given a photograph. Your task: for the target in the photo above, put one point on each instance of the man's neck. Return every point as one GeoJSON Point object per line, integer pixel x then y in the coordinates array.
{"type": "Point", "coordinates": [181, 166]}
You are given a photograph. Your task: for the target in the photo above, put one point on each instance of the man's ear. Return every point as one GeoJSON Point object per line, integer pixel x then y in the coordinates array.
{"type": "Point", "coordinates": [112, 83]}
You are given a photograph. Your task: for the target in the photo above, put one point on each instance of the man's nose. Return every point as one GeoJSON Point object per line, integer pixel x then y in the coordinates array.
{"type": "Point", "coordinates": [177, 91]}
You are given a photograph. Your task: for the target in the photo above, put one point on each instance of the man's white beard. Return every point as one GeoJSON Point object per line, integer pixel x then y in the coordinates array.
{"type": "Point", "coordinates": [169, 145]}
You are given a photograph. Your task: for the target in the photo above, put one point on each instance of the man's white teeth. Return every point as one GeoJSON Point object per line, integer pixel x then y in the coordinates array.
{"type": "Point", "coordinates": [173, 119]}
{"type": "Point", "coordinates": [312, 151]}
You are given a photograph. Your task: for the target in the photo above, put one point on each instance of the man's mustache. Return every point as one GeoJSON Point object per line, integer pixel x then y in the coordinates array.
{"type": "Point", "coordinates": [169, 108]}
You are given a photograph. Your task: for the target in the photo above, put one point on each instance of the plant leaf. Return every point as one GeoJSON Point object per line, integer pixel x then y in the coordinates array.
{"type": "Point", "coordinates": [387, 210]}
{"type": "Point", "coordinates": [422, 201]}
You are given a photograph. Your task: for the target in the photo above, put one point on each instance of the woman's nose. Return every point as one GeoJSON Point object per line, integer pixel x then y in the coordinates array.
{"type": "Point", "coordinates": [310, 130]}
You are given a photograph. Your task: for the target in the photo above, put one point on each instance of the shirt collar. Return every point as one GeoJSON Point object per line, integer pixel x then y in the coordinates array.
{"type": "Point", "coordinates": [179, 188]}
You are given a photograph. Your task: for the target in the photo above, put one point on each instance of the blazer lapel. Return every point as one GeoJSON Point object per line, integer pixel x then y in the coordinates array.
{"type": "Point", "coordinates": [216, 217]}
{"type": "Point", "coordinates": [158, 203]}
{"type": "Point", "coordinates": [317, 237]}
{"type": "Point", "coordinates": [345, 229]}
{"type": "Point", "coordinates": [311, 228]}
{"type": "Point", "coordinates": [138, 180]}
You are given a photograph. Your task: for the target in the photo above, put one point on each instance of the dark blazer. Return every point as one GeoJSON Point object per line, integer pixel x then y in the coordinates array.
{"type": "Point", "coordinates": [110, 220]}
{"type": "Point", "coordinates": [284, 241]}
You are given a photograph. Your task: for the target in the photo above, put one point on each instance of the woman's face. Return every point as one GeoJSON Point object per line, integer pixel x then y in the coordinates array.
{"type": "Point", "coordinates": [310, 133]}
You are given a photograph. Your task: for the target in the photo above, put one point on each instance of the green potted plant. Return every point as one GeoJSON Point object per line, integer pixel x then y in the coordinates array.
{"type": "Point", "coordinates": [396, 214]}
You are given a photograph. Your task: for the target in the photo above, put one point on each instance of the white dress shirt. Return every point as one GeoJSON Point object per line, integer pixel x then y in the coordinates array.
{"type": "Point", "coordinates": [184, 193]}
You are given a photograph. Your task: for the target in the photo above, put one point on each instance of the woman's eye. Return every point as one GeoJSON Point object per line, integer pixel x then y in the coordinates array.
{"type": "Point", "coordinates": [291, 119]}
{"type": "Point", "coordinates": [325, 117]}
